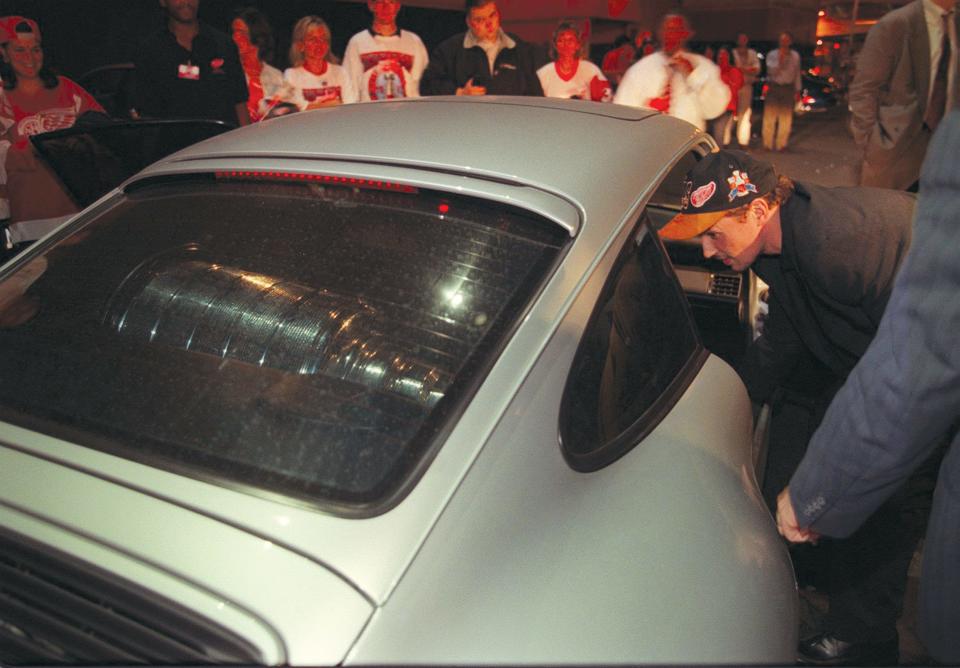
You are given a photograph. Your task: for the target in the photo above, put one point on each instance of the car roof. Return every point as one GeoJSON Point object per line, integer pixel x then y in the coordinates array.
{"type": "Point", "coordinates": [590, 154]}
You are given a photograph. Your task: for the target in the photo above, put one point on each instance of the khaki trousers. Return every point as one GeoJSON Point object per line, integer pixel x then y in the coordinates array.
{"type": "Point", "coordinates": [777, 116]}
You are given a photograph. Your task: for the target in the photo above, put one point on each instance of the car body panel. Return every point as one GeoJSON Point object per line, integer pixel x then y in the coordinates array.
{"type": "Point", "coordinates": [243, 581]}
{"type": "Point", "coordinates": [414, 583]}
{"type": "Point", "coordinates": [599, 560]}
{"type": "Point", "coordinates": [400, 532]}
{"type": "Point", "coordinates": [462, 601]}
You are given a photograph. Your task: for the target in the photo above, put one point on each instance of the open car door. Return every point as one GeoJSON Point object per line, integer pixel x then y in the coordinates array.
{"type": "Point", "coordinates": [93, 157]}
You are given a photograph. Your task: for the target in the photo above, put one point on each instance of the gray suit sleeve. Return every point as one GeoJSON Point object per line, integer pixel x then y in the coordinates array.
{"type": "Point", "coordinates": [875, 65]}
{"type": "Point", "coordinates": [904, 393]}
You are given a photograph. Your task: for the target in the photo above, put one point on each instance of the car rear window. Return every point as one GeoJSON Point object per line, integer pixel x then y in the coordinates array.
{"type": "Point", "coordinates": [303, 338]}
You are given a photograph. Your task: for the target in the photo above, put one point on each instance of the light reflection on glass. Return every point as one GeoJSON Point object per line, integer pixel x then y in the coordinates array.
{"type": "Point", "coordinates": [265, 321]}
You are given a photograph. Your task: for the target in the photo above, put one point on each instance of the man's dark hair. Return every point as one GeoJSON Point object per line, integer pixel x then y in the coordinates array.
{"type": "Point", "coordinates": [261, 34]}
{"type": "Point", "coordinates": [478, 3]}
{"type": "Point", "coordinates": [777, 197]}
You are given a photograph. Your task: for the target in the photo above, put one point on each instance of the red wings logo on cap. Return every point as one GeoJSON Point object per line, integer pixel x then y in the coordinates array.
{"type": "Point", "coordinates": [702, 195]}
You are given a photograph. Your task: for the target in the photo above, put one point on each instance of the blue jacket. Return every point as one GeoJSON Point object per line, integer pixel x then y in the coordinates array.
{"type": "Point", "coordinates": [900, 400]}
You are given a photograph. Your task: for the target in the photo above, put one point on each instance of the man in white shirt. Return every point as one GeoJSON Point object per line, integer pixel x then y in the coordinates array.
{"type": "Point", "coordinates": [748, 62]}
{"type": "Point", "coordinates": [895, 100]}
{"type": "Point", "coordinates": [674, 80]}
{"type": "Point", "coordinates": [385, 62]}
{"type": "Point", "coordinates": [783, 89]}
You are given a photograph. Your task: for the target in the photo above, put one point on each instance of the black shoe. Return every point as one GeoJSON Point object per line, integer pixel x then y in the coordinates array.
{"type": "Point", "coordinates": [824, 649]}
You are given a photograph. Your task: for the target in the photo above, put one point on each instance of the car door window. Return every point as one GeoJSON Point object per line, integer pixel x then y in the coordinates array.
{"type": "Point", "coordinates": [638, 353]}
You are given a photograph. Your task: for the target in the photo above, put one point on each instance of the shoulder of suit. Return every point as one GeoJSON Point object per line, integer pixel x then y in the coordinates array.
{"type": "Point", "coordinates": [907, 12]}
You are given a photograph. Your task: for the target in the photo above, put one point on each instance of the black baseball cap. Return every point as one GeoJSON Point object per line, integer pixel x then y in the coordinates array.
{"type": "Point", "coordinates": [719, 183]}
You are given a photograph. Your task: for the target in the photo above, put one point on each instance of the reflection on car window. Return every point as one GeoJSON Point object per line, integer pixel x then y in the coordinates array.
{"type": "Point", "coordinates": [307, 339]}
{"type": "Point", "coordinates": [672, 189]}
{"type": "Point", "coordinates": [637, 353]}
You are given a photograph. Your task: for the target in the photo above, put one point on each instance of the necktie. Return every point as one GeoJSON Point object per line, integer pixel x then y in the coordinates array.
{"type": "Point", "coordinates": [938, 94]}
{"type": "Point", "coordinates": [662, 103]}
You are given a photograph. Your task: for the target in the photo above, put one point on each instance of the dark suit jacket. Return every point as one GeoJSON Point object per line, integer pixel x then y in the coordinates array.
{"type": "Point", "coordinates": [841, 248]}
{"type": "Point", "coordinates": [900, 400]}
{"type": "Point", "coordinates": [888, 98]}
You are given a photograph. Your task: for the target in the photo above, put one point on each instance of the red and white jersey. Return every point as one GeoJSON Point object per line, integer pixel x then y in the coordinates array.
{"type": "Point", "coordinates": [51, 109]}
{"type": "Point", "coordinates": [385, 67]}
{"type": "Point", "coordinates": [587, 83]}
{"type": "Point", "coordinates": [305, 87]}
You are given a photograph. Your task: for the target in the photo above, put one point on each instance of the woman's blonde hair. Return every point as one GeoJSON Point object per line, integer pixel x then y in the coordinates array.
{"type": "Point", "coordinates": [300, 31]}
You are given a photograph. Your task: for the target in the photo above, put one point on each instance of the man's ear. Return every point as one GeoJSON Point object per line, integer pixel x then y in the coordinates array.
{"type": "Point", "coordinates": [761, 209]}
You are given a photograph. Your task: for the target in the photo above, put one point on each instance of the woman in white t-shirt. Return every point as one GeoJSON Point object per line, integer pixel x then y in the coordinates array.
{"type": "Point", "coordinates": [570, 75]}
{"type": "Point", "coordinates": [314, 81]}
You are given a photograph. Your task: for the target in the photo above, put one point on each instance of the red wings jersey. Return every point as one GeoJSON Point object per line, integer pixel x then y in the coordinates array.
{"type": "Point", "coordinates": [385, 67]}
{"type": "Point", "coordinates": [372, 59]}
{"type": "Point", "coordinates": [324, 93]}
{"type": "Point", "coordinates": [305, 87]}
{"type": "Point", "coordinates": [52, 109]}
{"type": "Point", "coordinates": [587, 83]}
{"type": "Point", "coordinates": [48, 120]}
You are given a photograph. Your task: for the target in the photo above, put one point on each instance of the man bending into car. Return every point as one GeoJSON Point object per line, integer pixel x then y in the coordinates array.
{"type": "Point", "coordinates": [830, 256]}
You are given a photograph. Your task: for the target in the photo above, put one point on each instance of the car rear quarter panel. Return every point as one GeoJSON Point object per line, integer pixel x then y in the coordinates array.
{"type": "Point", "coordinates": [668, 555]}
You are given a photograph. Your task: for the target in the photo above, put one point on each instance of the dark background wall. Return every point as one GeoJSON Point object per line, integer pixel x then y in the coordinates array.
{"type": "Point", "coordinates": [79, 35]}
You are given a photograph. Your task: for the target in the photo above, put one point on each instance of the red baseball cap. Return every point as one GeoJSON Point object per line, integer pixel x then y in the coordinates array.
{"type": "Point", "coordinates": [11, 25]}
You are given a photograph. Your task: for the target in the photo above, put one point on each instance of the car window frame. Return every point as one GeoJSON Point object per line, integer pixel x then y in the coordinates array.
{"type": "Point", "coordinates": [641, 228]}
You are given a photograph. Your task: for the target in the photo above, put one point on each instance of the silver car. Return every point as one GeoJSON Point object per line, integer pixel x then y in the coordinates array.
{"type": "Point", "coordinates": [401, 382]}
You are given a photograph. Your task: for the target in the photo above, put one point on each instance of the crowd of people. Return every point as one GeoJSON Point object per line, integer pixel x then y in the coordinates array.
{"type": "Point", "coordinates": [189, 69]}
{"type": "Point", "coordinates": [847, 288]}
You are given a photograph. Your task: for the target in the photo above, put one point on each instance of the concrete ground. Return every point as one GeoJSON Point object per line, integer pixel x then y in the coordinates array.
{"type": "Point", "coordinates": [821, 151]}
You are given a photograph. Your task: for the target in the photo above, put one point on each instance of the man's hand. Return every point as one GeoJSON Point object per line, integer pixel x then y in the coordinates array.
{"type": "Point", "coordinates": [469, 89]}
{"type": "Point", "coordinates": [681, 64]}
{"type": "Point", "coordinates": [787, 521]}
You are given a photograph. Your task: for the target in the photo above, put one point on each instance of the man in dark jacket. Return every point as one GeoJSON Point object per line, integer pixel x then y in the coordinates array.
{"type": "Point", "coordinates": [830, 256]}
{"type": "Point", "coordinates": [482, 61]}
{"type": "Point", "coordinates": [187, 69]}
{"type": "Point", "coordinates": [896, 405]}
